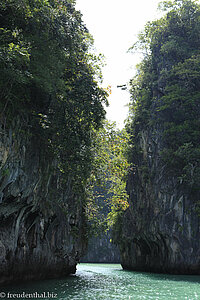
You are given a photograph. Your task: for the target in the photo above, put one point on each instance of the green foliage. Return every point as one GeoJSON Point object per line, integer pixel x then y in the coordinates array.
{"type": "Point", "coordinates": [50, 78]}
{"type": "Point", "coordinates": [107, 184]}
{"type": "Point", "coordinates": [166, 89]}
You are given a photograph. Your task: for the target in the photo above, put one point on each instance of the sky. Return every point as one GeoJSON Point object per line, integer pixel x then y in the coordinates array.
{"type": "Point", "coordinates": [114, 25]}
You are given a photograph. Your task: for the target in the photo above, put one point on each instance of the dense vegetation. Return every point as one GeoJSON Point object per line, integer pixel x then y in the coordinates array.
{"type": "Point", "coordinates": [49, 78]}
{"type": "Point", "coordinates": [166, 90]}
{"type": "Point", "coordinates": [107, 196]}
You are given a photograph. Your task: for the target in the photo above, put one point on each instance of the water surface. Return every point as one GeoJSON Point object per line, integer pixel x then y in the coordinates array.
{"type": "Point", "coordinates": [109, 281]}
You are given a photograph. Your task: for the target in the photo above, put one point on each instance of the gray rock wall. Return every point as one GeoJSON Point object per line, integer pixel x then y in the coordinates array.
{"type": "Point", "coordinates": [41, 220]}
{"type": "Point", "coordinates": [161, 227]}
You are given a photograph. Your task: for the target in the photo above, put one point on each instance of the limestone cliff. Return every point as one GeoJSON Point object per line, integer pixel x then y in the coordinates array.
{"type": "Point", "coordinates": [161, 227]}
{"type": "Point", "coordinates": [42, 224]}
{"type": "Point", "coordinates": [50, 103]}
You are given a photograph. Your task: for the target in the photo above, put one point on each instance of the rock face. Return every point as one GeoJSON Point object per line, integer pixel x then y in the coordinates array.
{"type": "Point", "coordinates": [101, 250]}
{"type": "Point", "coordinates": [161, 227]}
{"type": "Point", "coordinates": [42, 224]}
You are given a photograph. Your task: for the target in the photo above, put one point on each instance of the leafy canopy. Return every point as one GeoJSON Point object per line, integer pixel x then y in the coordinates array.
{"type": "Point", "coordinates": [166, 91]}
{"type": "Point", "coordinates": [107, 184]}
{"type": "Point", "coordinates": [50, 79]}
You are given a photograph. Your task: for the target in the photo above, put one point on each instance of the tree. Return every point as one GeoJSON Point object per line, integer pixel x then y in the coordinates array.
{"type": "Point", "coordinates": [166, 89]}
{"type": "Point", "coordinates": [107, 184]}
{"type": "Point", "coordinates": [49, 79]}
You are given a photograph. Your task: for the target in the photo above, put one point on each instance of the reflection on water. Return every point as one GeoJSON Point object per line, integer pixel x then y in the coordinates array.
{"type": "Point", "coordinates": [109, 281]}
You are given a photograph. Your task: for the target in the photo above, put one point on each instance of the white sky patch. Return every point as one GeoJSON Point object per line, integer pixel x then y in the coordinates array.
{"type": "Point", "coordinates": [114, 25]}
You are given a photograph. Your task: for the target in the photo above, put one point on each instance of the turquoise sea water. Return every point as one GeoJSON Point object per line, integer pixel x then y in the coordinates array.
{"type": "Point", "coordinates": [108, 281]}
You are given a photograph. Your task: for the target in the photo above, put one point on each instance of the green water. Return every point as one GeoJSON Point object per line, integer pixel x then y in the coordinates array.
{"type": "Point", "coordinates": [109, 281]}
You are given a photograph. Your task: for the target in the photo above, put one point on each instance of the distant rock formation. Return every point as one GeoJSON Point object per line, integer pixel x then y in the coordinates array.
{"type": "Point", "coordinates": [101, 250]}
